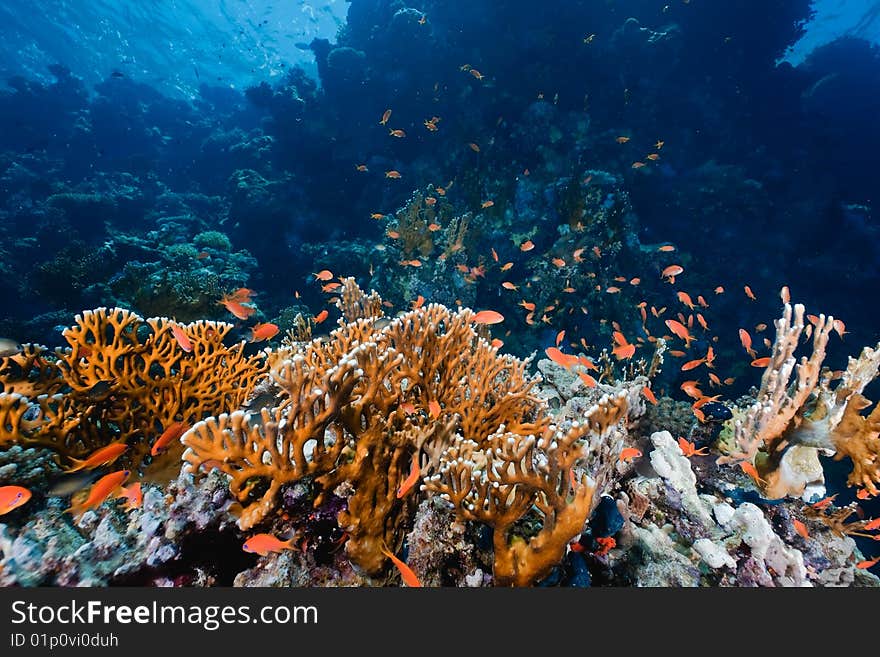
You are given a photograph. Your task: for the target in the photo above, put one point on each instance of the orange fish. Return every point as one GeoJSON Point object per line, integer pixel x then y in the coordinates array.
{"type": "Point", "coordinates": [680, 330]}
{"type": "Point", "coordinates": [103, 488]}
{"type": "Point", "coordinates": [702, 322]}
{"type": "Point", "coordinates": [628, 454]}
{"type": "Point", "coordinates": [871, 526]}
{"type": "Point", "coordinates": [434, 227]}
{"type": "Point", "coordinates": [173, 432]}
{"type": "Point", "coordinates": [761, 362]}
{"type": "Point", "coordinates": [649, 395]}
{"type": "Point", "coordinates": [671, 272]}
{"type": "Point", "coordinates": [528, 245]}
{"type": "Point", "coordinates": [666, 248]}
{"type": "Point", "coordinates": [377, 215]}
{"type": "Point", "coordinates": [638, 165]}
{"type": "Point", "coordinates": [839, 327]}
{"type": "Point", "coordinates": [103, 456]}
{"type": "Point", "coordinates": [266, 331]}
{"type": "Point", "coordinates": [487, 204]}
{"type": "Point", "coordinates": [406, 573]}
{"type": "Point", "coordinates": [750, 470]}
{"type": "Point", "coordinates": [746, 341]}
{"type": "Point", "coordinates": [692, 364]}
{"type": "Point", "coordinates": [476, 74]}
{"type": "Point", "coordinates": [506, 266]}
{"type": "Point", "coordinates": [565, 360]}
{"type": "Point", "coordinates": [622, 139]}
{"type": "Point", "coordinates": [653, 157]}
{"type": "Point", "coordinates": [434, 408]}
{"type": "Point", "coordinates": [612, 289]}
{"type": "Point", "coordinates": [528, 305]}
{"type": "Point", "coordinates": [685, 298]}
{"type": "Point", "coordinates": [868, 563]}
{"type": "Point", "coordinates": [749, 292]}
{"type": "Point", "coordinates": [824, 503]}
{"type": "Point", "coordinates": [488, 317]}
{"type": "Point", "coordinates": [180, 335]}
{"type": "Point", "coordinates": [325, 274]}
{"type": "Point", "coordinates": [321, 316]}
{"type": "Point", "coordinates": [507, 285]}
{"type": "Point", "coordinates": [133, 495]}
{"type": "Point", "coordinates": [689, 449]}
{"type": "Point", "coordinates": [558, 262]}
{"type": "Point", "coordinates": [691, 390]}
{"type": "Point", "coordinates": [719, 290]}
{"type": "Point", "coordinates": [413, 476]}
{"type": "Point", "coordinates": [800, 528]}
{"type": "Point", "coordinates": [635, 281]}
{"type": "Point", "coordinates": [863, 494]}
{"type": "Point", "coordinates": [397, 133]}
{"type": "Point", "coordinates": [385, 116]}
{"type": "Point", "coordinates": [263, 544]}
{"type": "Point", "coordinates": [588, 381]}
{"type": "Point", "coordinates": [408, 408]}
{"type": "Point", "coordinates": [12, 497]}
{"type": "Point", "coordinates": [392, 174]}
{"type": "Point", "coordinates": [474, 147]}
{"type": "Point", "coordinates": [362, 168]}
{"type": "Point", "coordinates": [238, 309]}
{"type": "Point", "coordinates": [497, 343]}
{"type": "Point", "coordinates": [329, 287]}
{"type": "Point", "coordinates": [624, 351]}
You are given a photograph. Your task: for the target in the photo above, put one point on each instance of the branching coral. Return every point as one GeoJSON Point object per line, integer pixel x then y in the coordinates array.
{"type": "Point", "coordinates": [378, 397]}
{"type": "Point", "coordinates": [798, 407]}
{"type": "Point", "coordinates": [500, 479]}
{"type": "Point", "coordinates": [122, 377]}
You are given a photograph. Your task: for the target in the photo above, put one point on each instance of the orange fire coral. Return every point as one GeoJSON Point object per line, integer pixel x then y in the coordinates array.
{"type": "Point", "coordinates": [357, 406]}
{"type": "Point", "coordinates": [121, 377]}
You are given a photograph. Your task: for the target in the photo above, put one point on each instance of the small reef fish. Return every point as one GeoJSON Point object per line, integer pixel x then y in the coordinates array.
{"type": "Point", "coordinates": [385, 116]}
{"type": "Point", "coordinates": [263, 544]}
{"type": "Point", "coordinates": [749, 293]}
{"type": "Point", "coordinates": [434, 408]}
{"type": "Point", "coordinates": [406, 573]}
{"type": "Point", "coordinates": [173, 432]}
{"type": "Point", "coordinates": [103, 456]}
{"type": "Point", "coordinates": [182, 338]}
{"type": "Point", "coordinates": [397, 133]}
{"type": "Point", "coordinates": [670, 272]}
{"type": "Point", "coordinates": [103, 488]}
{"type": "Point", "coordinates": [680, 331]}
{"type": "Point", "coordinates": [689, 449]}
{"type": "Point", "coordinates": [411, 479]}
{"type": "Point", "coordinates": [392, 174]}
{"type": "Point", "coordinates": [265, 331]}
{"type": "Point", "coordinates": [326, 274]}
{"type": "Point", "coordinates": [12, 497]}
{"type": "Point", "coordinates": [565, 360]}
{"type": "Point", "coordinates": [133, 495]}
{"type": "Point", "coordinates": [761, 362]}
{"type": "Point", "coordinates": [528, 245]}
{"type": "Point", "coordinates": [649, 395]}
{"type": "Point", "coordinates": [488, 317]}
{"type": "Point", "coordinates": [321, 316]}
{"type": "Point", "coordinates": [622, 139]}
{"type": "Point", "coordinates": [800, 528]}
{"type": "Point", "coordinates": [746, 341]}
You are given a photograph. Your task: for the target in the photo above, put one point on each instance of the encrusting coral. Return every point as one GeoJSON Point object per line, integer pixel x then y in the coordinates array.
{"type": "Point", "coordinates": [798, 413]}
{"type": "Point", "coordinates": [366, 406]}
{"type": "Point", "coordinates": [121, 378]}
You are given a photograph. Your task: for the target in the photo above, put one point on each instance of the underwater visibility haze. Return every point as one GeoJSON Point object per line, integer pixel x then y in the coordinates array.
{"type": "Point", "coordinates": [439, 293]}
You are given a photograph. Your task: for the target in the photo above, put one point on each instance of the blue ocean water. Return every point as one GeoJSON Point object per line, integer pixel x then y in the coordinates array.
{"type": "Point", "coordinates": [590, 171]}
